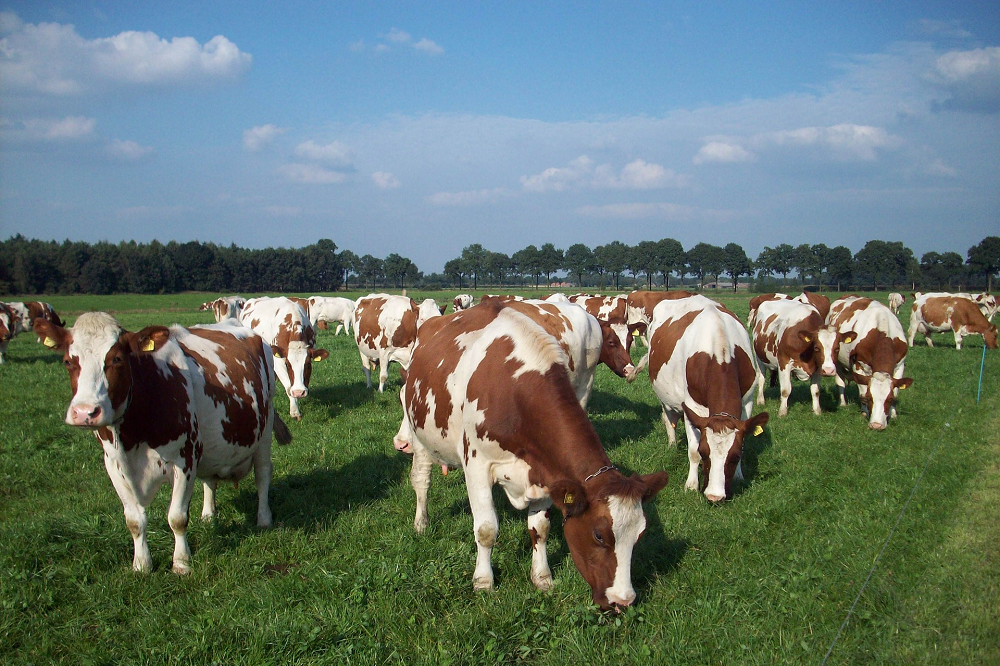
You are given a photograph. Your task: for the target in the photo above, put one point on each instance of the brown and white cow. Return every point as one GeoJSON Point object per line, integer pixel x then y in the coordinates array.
{"type": "Point", "coordinates": [586, 340]}
{"type": "Point", "coordinates": [639, 306]}
{"type": "Point", "coordinates": [986, 301]}
{"type": "Point", "coordinates": [225, 307]}
{"type": "Point", "coordinates": [501, 297]}
{"type": "Point", "coordinates": [895, 301]}
{"type": "Point", "coordinates": [285, 327]}
{"type": "Point", "coordinates": [462, 302]}
{"type": "Point", "coordinates": [818, 301]}
{"type": "Point", "coordinates": [171, 405]}
{"type": "Point", "coordinates": [701, 366]}
{"type": "Point", "coordinates": [471, 399]}
{"type": "Point", "coordinates": [611, 309]}
{"type": "Point", "coordinates": [27, 312]}
{"type": "Point", "coordinates": [331, 308]}
{"type": "Point", "coordinates": [8, 324]}
{"type": "Point", "coordinates": [785, 342]}
{"type": "Point", "coordinates": [385, 327]}
{"type": "Point", "coordinates": [931, 314]}
{"type": "Point", "coordinates": [866, 340]}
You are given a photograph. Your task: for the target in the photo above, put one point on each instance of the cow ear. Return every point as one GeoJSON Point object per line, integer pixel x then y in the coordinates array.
{"type": "Point", "coordinates": [148, 339]}
{"type": "Point", "coordinates": [318, 355]}
{"type": "Point", "coordinates": [863, 380]}
{"type": "Point", "coordinates": [569, 497]}
{"type": "Point", "coordinates": [806, 337]}
{"type": "Point", "coordinates": [848, 337]}
{"type": "Point", "coordinates": [902, 383]}
{"type": "Point", "coordinates": [52, 336]}
{"type": "Point", "coordinates": [755, 425]}
{"type": "Point", "coordinates": [654, 483]}
{"type": "Point", "coordinates": [695, 420]}
{"type": "Point", "coordinates": [639, 328]}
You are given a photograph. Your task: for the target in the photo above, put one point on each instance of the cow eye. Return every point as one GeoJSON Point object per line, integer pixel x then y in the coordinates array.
{"type": "Point", "coordinates": [68, 363]}
{"type": "Point", "coordinates": [598, 538]}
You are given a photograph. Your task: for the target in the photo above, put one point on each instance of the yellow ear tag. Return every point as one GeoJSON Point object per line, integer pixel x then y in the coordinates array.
{"type": "Point", "coordinates": [758, 430]}
{"type": "Point", "coordinates": [49, 342]}
{"type": "Point", "coordinates": [148, 347]}
{"type": "Point", "coordinates": [568, 499]}
{"type": "Point", "coordinates": [277, 354]}
{"type": "Point", "coordinates": [635, 333]}
{"type": "Point", "coordinates": [317, 359]}
{"type": "Point", "coordinates": [807, 338]}
{"type": "Point", "coordinates": [901, 388]}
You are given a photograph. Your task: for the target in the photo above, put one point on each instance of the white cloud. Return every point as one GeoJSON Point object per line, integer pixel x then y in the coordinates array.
{"type": "Point", "coordinates": [952, 28]}
{"type": "Point", "coordinates": [69, 128]}
{"type": "Point", "coordinates": [584, 173]}
{"type": "Point", "coordinates": [669, 212]}
{"type": "Point", "coordinates": [723, 152]}
{"type": "Point", "coordinates": [559, 179]}
{"type": "Point", "coordinates": [427, 46]}
{"type": "Point", "coordinates": [937, 167]}
{"type": "Point", "coordinates": [52, 59]}
{"type": "Point", "coordinates": [311, 174]}
{"type": "Point", "coordinates": [385, 180]}
{"type": "Point", "coordinates": [844, 141]}
{"type": "Point", "coordinates": [256, 138]}
{"type": "Point", "coordinates": [469, 198]}
{"type": "Point", "coordinates": [334, 152]}
{"type": "Point", "coordinates": [398, 36]}
{"type": "Point", "coordinates": [971, 77]}
{"type": "Point", "coordinates": [127, 151]}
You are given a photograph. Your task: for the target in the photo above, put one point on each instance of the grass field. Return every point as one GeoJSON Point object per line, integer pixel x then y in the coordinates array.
{"type": "Point", "coordinates": [766, 578]}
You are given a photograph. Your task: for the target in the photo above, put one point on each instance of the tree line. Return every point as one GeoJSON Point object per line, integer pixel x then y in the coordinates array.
{"type": "Point", "coordinates": [29, 266]}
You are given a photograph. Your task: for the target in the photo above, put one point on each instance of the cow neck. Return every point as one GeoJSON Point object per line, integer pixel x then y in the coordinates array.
{"type": "Point", "coordinates": [568, 448]}
{"type": "Point", "coordinates": [157, 412]}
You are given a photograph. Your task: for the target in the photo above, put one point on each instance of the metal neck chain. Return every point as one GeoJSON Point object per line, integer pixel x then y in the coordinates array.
{"type": "Point", "coordinates": [725, 414]}
{"type": "Point", "coordinates": [599, 472]}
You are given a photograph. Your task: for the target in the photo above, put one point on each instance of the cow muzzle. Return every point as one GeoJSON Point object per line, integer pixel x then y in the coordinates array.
{"type": "Point", "coordinates": [85, 415]}
{"type": "Point", "coordinates": [299, 393]}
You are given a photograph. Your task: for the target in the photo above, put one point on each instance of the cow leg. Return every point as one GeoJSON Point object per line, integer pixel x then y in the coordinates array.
{"type": "Point", "coordinates": [177, 516]}
{"type": "Point", "coordinates": [366, 365]}
{"type": "Point", "coordinates": [841, 387]}
{"type": "Point", "coordinates": [383, 369]}
{"type": "Point", "coordinates": [135, 512]}
{"type": "Point", "coordinates": [670, 423]}
{"type": "Point", "coordinates": [293, 408]}
{"type": "Point", "coordinates": [340, 327]}
{"type": "Point", "coordinates": [485, 524]}
{"type": "Point", "coordinates": [785, 382]}
{"type": "Point", "coordinates": [208, 505]}
{"type": "Point", "coordinates": [420, 479]}
{"type": "Point", "coordinates": [760, 388]}
{"type": "Point", "coordinates": [958, 339]}
{"type": "Point", "coordinates": [538, 528]}
{"type": "Point", "coordinates": [262, 469]}
{"type": "Point", "coordinates": [694, 458]}
{"type": "Point", "coordinates": [814, 390]}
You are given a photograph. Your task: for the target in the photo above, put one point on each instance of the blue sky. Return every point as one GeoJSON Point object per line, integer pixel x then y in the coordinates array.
{"type": "Point", "coordinates": [422, 128]}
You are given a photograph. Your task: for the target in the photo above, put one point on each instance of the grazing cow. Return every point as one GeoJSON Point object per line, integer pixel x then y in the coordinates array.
{"type": "Point", "coordinates": [28, 311]}
{"type": "Point", "coordinates": [385, 327]}
{"type": "Point", "coordinates": [785, 342]}
{"type": "Point", "coordinates": [610, 309]}
{"type": "Point", "coordinates": [557, 297]}
{"type": "Point", "coordinates": [285, 326]}
{"type": "Point", "coordinates": [867, 343]}
{"type": "Point", "coordinates": [986, 302]}
{"type": "Point", "coordinates": [639, 306]}
{"type": "Point", "coordinates": [701, 367]}
{"type": "Point", "coordinates": [895, 301]}
{"type": "Point", "coordinates": [818, 301]}
{"type": "Point", "coordinates": [462, 302]}
{"type": "Point", "coordinates": [171, 404]}
{"type": "Point", "coordinates": [586, 340]}
{"type": "Point", "coordinates": [331, 308]}
{"type": "Point", "coordinates": [932, 313]}
{"type": "Point", "coordinates": [472, 399]}
{"type": "Point", "coordinates": [8, 324]}
{"type": "Point", "coordinates": [225, 307]}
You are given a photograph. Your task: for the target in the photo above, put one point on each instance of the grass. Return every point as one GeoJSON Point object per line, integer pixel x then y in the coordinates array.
{"type": "Point", "coordinates": [342, 578]}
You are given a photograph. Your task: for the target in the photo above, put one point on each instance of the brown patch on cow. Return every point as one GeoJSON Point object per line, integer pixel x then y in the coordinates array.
{"type": "Point", "coordinates": [718, 386]}
{"type": "Point", "coordinates": [665, 338]}
{"type": "Point", "coordinates": [844, 309]}
{"type": "Point", "coordinates": [644, 301]}
{"type": "Point", "coordinates": [437, 346]}
{"type": "Point", "coordinates": [818, 301]}
{"type": "Point", "coordinates": [406, 333]}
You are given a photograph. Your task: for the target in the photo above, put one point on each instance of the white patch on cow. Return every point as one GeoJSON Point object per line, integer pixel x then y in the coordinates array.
{"type": "Point", "coordinates": [719, 445]}
{"type": "Point", "coordinates": [627, 522]}
{"type": "Point", "coordinates": [93, 336]}
{"type": "Point", "coordinates": [827, 339]}
{"type": "Point", "coordinates": [879, 388]}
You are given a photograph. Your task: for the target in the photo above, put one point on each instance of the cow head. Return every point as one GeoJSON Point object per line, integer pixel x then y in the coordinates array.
{"type": "Point", "coordinates": [428, 308]}
{"type": "Point", "coordinates": [603, 522]}
{"type": "Point", "coordinates": [293, 365]}
{"type": "Point", "coordinates": [721, 448]}
{"type": "Point", "coordinates": [879, 398]}
{"type": "Point", "coordinates": [826, 348]}
{"type": "Point", "coordinates": [613, 354]}
{"type": "Point", "coordinates": [99, 353]}
{"type": "Point", "coordinates": [990, 336]}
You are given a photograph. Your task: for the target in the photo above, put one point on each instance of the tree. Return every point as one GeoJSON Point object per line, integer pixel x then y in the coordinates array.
{"type": "Point", "coordinates": [348, 265]}
{"type": "Point", "coordinates": [455, 268]}
{"type": "Point", "coordinates": [783, 255]}
{"type": "Point", "coordinates": [612, 258]}
{"type": "Point", "coordinates": [672, 258]}
{"type": "Point", "coordinates": [528, 262]}
{"type": "Point", "coordinates": [984, 259]}
{"type": "Point", "coordinates": [839, 265]}
{"type": "Point", "coordinates": [397, 268]}
{"type": "Point", "coordinates": [372, 268]}
{"type": "Point", "coordinates": [474, 260]}
{"type": "Point", "coordinates": [647, 259]}
{"type": "Point", "coordinates": [550, 260]}
{"type": "Point", "coordinates": [322, 265]}
{"type": "Point", "coordinates": [499, 265]}
{"type": "Point", "coordinates": [578, 260]}
{"type": "Point", "coordinates": [706, 259]}
{"type": "Point", "coordinates": [736, 262]}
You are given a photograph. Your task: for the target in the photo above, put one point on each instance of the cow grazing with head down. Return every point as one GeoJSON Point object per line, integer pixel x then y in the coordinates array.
{"type": "Point", "coordinates": [785, 341]}
{"type": "Point", "coordinates": [701, 367]}
{"type": "Point", "coordinates": [225, 307]}
{"type": "Point", "coordinates": [323, 309]}
{"type": "Point", "coordinates": [818, 301]}
{"type": "Point", "coordinates": [8, 322]}
{"type": "Point", "coordinates": [171, 404]}
{"type": "Point", "coordinates": [462, 302]}
{"type": "Point", "coordinates": [471, 399]}
{"type": "Point", "coordinates": [931, 314]}
{"type": "Point", "coordinates": [985, 301]}
{"type": "Point", "coordinates": [866, 343]}
{"type": "Point", "coordinates": [286, 328]}
{"type": "Point", "coordinates": [611, 309]}
{"type": "Point", "coordinates": [385, 327]}
{"type": "Point", "coordinates": [895, 301]}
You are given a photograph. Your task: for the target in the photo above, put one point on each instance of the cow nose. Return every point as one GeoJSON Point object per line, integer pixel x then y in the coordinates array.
{"type": "Point", "coordinates": [300, 393]}
{"type": "Point", "coordinates": [84, 414]}
{"type": "Point", "coordinates": [875, 425]}
{"type": "Point", "coordinates": [715, 498]}
{"type": "Point", "coordinates": [829, 372]}
{"type": "Point", "coordinates": [620, 603]}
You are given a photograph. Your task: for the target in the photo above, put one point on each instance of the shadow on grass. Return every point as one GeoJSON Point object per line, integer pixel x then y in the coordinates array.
{"type": "Point", "coordinates": [338, 398]}
{"type": "Point", "coordinates": [633, 420]}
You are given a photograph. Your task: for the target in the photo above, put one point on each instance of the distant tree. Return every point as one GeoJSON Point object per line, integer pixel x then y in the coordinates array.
{"type": "Point", "coordinates": [736, 262]}
{"type": "Point", "coordinates": [578, 260]}
{"type": "Point", "coordinates": [672, 259]}
{"type": "Point", "coordinates": [372, 268]}
{"type": "Point", "coordinates": [783, 260]}
{"type": "Point", "coordinates": [500, 266]}
{"type": "Point", "coordinates": [455, 269]}
{"type": "Point", "coordinates": [706, 259]}
{"type": "Point", "coordinates": [839, 265]}
{"type": "Point", "coordinates": [647, 259]}
{"type": "Point", "coordinates": [396, 268]}
{"type": "Point", "coordinates": [322, 265]}
{"type": "Point", "coordinates": [984, 259]}
{"type": "Point", "coordinates": [613, 258]}
{"type": "Point", "coordinates": [474, 260]}
{"type": "Point", "coordinates": [550, 260]}
{"type": "Point", "coordinates": [348, 262]}
{"type": "Point", "coordinates": [528, 263]}
{"type": "Point", "coordinates": [941, 269]}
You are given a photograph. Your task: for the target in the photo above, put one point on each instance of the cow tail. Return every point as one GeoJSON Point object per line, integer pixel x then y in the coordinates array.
{"type": "Point", "coordinates": [281, 433]}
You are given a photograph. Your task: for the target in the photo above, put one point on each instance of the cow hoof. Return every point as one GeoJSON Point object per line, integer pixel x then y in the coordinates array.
{"type": "Point", "coordinates": [782, 412]}
{"type": "Point", "coordinates": [181, 569]}
{"type": "Point", "coordinates": [420, 525]}
{"type": "Point", "coordinates": [297, 417]}
{"type": "Point", "coordinates": [482, 584]}
{"type": "Point", "coordinates": [691, 485]}
{"type": "Point", "coordinates": [543, 583]}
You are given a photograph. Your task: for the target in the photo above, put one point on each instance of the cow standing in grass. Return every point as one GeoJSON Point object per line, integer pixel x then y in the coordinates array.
{"type": "Point", "coordinates": [932, 314]}
{"type": "Point", "coordinates": [171, 404]}
{"type": "Point", "coordinates": [487, 390]}
{"type": "Point", "coordinates": [385, 327]}
{"type": "Point", "coordinates": [8, 322]}
{"type": "Point", "coordinates": [701, 367]}
{"type": "Point", "coordinates": [896, 301]}
{"type": "Point", "coordinates": [785, 342]}
{"type": "Point", "coordinates": [323, 309]}
{"type": "Point", "coordinates": [225, 307]}
{"type": "Point", "coordinates": [462, 302]}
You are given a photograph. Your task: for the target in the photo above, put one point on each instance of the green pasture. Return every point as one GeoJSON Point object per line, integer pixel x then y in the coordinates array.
{"type": "Point", "coordinates": [767, 578]}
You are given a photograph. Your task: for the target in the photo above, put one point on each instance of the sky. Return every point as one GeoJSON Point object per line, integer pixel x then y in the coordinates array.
{"type": "Point", "coordinates": [421, 128]}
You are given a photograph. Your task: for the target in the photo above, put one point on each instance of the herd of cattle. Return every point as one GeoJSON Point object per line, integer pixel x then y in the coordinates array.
{"type": "Point", "coordinates": [185, 404]}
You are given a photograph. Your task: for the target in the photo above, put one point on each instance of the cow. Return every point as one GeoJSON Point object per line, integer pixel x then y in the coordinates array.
{"type": "Point", "coordinates": [285, 327]}
{"type": "Point", "coordinates": [429, 308]}
{"type": "Point", "coordinates": [818, 301]}
{"type": "Point", "coordinates": [26, 312]}
{"type": "Point", "coordinates": [639, 306]}
{"type": "Point", "coordinates": [867, 343]}
{"type": "Point", "coordinates": [385, 327]}
{"type": "Point", "coordinates": [557, 297]}
{"type": "Point", "coordinates": [701, 366]}
{"type": "Point", "coordinates": [8, 324]}
{"type": "Point", "coordinates": [785, 342]}
{"type": "Point", "coordinates": [930, 314]}
{"type": "Point", "coordinates": [462, 302]}
{"type": "Point", "coordinates": [610, 309]}
{"type": "Point", "coordinates": [500, 297]}
{"type": "Point", "coordinates": [171, 404]}
{"type": "Point", "coordinates": [986, 302]}
{"type": "Point", "coordinates": [471, 399]}
{"type": "Point", "coordinates": [225, 307]}
{"type": "Point", "coordinates": [895, 301]}
{"type": "Point", "coordinates": [331, 308]}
